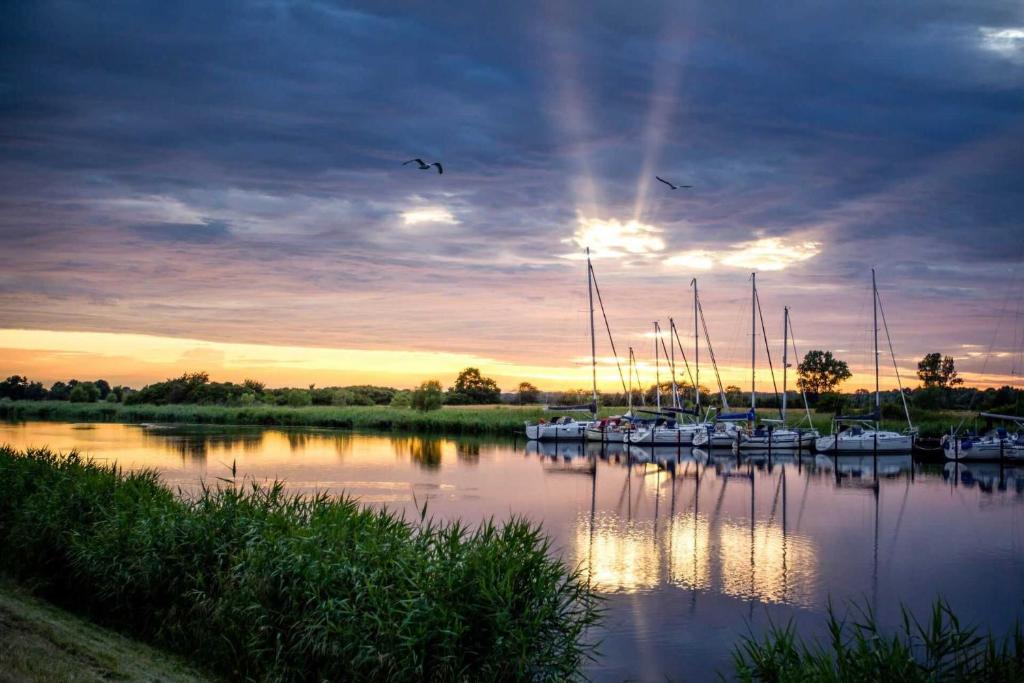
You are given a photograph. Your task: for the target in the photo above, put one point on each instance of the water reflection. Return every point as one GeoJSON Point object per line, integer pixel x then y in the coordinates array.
{"type": "Point", "coordinates": [689, 547]}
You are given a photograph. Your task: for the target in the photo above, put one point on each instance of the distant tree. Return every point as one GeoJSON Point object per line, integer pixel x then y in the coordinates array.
{"type": "Point", "coordinates": [821, 372]}
{"type": "Point", "coordinates": [934, 370]}
{"type": "Point", "coordinates": [733, 394]}
{"type": "Point", "coordinates": [401, 399]}
{"type": "Point", "coordinates": [14, 387]}
{"type": "Point", "coordinates": [427, 396]}
{"type": "Point", "coordinates": [59, 392]}
{"type": "Point", "coordinates": [475, 387]}
{"type": "Point", "coordinates": [255, 387]}
{"type": "Point", "coordinates": [528, 393]}
{"type": "Point", "coordinates": [103, 386]}
{"type": "Point", "coordinates": [84, 392]}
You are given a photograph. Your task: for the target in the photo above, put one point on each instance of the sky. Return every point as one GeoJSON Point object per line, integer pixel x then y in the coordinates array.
{"type": "Point", "coordinates": [219, 186]}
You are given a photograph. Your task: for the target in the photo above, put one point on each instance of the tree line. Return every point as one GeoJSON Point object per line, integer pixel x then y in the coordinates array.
{"type": "Point", "coordinates": [819, 375]}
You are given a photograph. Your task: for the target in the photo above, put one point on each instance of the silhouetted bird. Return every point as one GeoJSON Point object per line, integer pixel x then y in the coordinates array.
{"type": "Point", "coordinates": [674, 187]}
{"type": "Point", "coordinates": [424, 166]}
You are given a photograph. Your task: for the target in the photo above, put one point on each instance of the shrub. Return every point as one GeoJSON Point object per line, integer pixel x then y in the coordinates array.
{"type": "Point", "coordinates": [401, 399]}
{"type": "Point", "coordinates": [428, 396]}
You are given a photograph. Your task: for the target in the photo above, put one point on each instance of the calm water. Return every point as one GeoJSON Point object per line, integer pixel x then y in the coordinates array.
{"type": "Point", "coordinates": [691, 551]}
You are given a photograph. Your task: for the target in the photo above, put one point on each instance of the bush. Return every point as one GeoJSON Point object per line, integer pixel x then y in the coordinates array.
{"type": "Point", "coordinates": [83, 393]}
{"type": "Point", "coordinates": [428, 396]}
{"type": "Point", "coordinates": [938, 650]}
{"type": "Point", "coordinates": [293, 587]}
{"type": "Point", "coordinates": [401, 399]}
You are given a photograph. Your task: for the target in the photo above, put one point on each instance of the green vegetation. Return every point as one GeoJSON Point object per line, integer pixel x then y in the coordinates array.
{"type": "Point", "coordinates": [427, 396]}
{"type": "Point", "coordinates": [500, 420]}
{"type": "Point", "coordinates": [256, 584]}
{"type": "Point", "coordinates": [935, 371]}
{"type": "Point", "coordinates": [40, 643]}
{"type": "Point", "coordinates": [472, 388]}
{"type": "Point", "coordinates": [820, 372]}
{"type": "Point", "coordinates": [939, 650]}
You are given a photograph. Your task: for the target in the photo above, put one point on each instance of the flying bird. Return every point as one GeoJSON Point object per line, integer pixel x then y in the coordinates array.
{"type": "Point", "coordinates": [674, 187]}
{"type": "Point", "coordinates": [424, 166]}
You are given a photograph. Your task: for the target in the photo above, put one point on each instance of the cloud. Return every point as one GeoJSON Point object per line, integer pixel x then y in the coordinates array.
{"type": "Point", "coordinates": [1005, 41]}
{"type": "Point", "coordinates": [428, 214]}
{"type": "Point", "coordinates": [612, 238]}
{"type": "Point", "coordinates": [767, 253]}
{"type": "Point", "coordinates": [206, 232]}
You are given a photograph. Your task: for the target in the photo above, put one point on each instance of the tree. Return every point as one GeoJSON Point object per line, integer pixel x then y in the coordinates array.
{"type": "Point", "coordinates": [821, 372]}
{"type": "Point", "coordinates": [934, 370]}
{"type": "Point", "coordinates": [84, 392]}
{"type": "Point", "coordinates": [528, 393]}
{"type": "Point", "coordinates": [59, 391]}
{"type": "Point", "coordinates": [475, 387]}
{"type": "Point", "coordinates": [401, 399]}
{"type": "Point", "coordinates": [14, 387]}
{"type": "Point", "coordinates": [427, 396]}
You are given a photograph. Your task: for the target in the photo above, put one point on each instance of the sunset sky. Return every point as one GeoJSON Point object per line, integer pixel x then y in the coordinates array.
{"type": "Point", "coordinates": [219, 186]}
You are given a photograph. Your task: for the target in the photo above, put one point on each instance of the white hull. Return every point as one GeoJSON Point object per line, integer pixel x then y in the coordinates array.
{"type": "Point", "coordinates": [780, 439]}
{"type": "Point", "coordinates": [663, 436]}
{"type": "Point", "coordinates": [723, 435]}
{"type": "Point", "coordinates": [988, 449]}
{"type": "Point", "coordinates": [573, 431]}
{"type": "Point", "coordinates": [606, 435]}
{"type": "Point", "coordinates": [887, 442]}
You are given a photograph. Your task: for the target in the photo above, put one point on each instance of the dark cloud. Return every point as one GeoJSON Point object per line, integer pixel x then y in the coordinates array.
{"type": "Point", "coordinates": [263, 141]}
{"type": "Point", "coordinates": [195, 233]}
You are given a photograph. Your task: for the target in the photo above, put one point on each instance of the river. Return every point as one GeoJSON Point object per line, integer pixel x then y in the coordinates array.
{"type": "Point", "coordinates": [691, 552]}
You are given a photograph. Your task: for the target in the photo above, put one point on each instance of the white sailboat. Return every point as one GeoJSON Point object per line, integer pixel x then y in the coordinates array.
{"type": "Point", "coordinates": [568, 428]}
{"type": "Point", "coordinates": [864, 433]}
{"type": "Point", "coordinates": [996, 443]}
{"type": "Point", "coordinates": [778, 435]}
{"type": "Point", "coordinates": [681, 425]}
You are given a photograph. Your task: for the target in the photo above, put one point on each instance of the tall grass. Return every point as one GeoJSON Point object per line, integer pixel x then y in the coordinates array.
{"type": "Point", "coordinates": [468, 420]}
{"type": "Point", "coordinates": [940, 649]}
{"type": "Point", "coordinates": [256, 584]}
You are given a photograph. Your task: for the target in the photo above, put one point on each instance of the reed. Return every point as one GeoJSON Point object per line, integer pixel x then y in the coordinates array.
{"type": "Point", "coordinates": [254, 583]}
{"type": "Point", "coordinates": [939, 649]}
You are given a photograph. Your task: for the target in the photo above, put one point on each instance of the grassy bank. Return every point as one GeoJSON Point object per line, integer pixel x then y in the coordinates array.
{"type": "Point", "coordinates": [41, 643]}
{"type": "Point", "coordinates": [503, 420]}
{"type": "Point", "coordinates": [938, 649]}
{"type": "Point", "coordinates": [452, 420]}
{"type": "Point", "coordinates": [252, 583]}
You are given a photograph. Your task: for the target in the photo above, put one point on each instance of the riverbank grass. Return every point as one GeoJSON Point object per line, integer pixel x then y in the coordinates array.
{"type": "Point", "coordinates": [938, 649]}
{"type": "Point", "coordinates": [252, 583]}
{"type": "Point", "coordinates": [40, 643]}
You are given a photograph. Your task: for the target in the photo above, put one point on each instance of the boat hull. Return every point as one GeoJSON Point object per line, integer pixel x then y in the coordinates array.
{"type": "Point", "coordinates": [888, 442]}
{"type": "Point", "coordinates": [573, 431]}
{"type": "Point", "coordinates": [780, 439]}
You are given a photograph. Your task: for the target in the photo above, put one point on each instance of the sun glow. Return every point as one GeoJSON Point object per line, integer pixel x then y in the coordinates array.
{"type": "Point", "coordinates": [612, 238]}
{"type": "Point", "coordinates": [767, 253]}
{"type": "Point", "coordinates": [429, 214]}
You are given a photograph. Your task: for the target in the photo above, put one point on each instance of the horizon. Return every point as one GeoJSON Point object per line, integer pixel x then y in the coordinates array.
{"type": "Point", "coordinates": [187, 202]}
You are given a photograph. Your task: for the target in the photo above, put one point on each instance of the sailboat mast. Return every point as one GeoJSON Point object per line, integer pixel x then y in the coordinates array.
{"type": "Point", "coordinates": [696, 349]}
{"type": "Point", "coordinates": [785, 357]}
{"type": "Point", "coordinates": [753, 340]}
{"type": "Point", "coordinates": [657, 366]}
{"type": "Point", "coordinates": [672, 335]}
{"type": "Point", "coordinates": [629, 400]}
{"type": "Point", "coordinates": [874, 306]}
{"type": "Point", "coordinates": [593, 340]}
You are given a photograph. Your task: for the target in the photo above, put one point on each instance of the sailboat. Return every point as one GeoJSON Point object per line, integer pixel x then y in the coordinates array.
{"type": "Point", "coordinates": [996, 443]}
{"type": "Point", "coordinates": [616, 429]}
{"type": "Point", "coordinates": [778, 435]}
{"type": "Point", "coordinates": [566, 427]}
{"type": "Point", "coordinates": [864, 433]}
{"type": "Point", "coordinates": [676, 426]}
